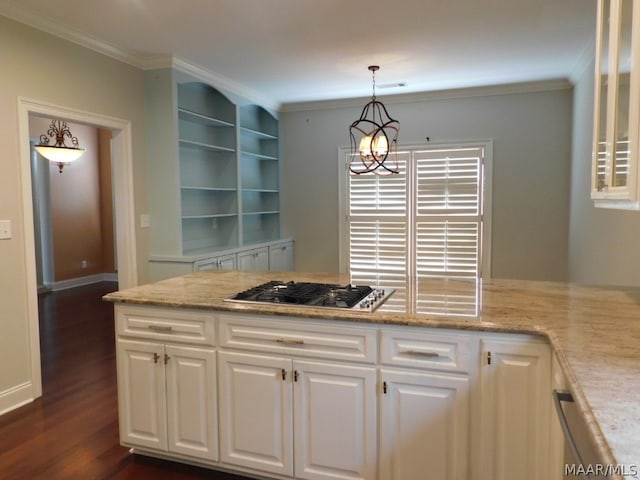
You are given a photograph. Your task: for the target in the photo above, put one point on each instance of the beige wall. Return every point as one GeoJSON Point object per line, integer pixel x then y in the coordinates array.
{"type": "Point", "coordinates": [604, 243]}
{"type": "Point", "coordinates": [39, 66]}
{"type": "Point", "coordinates": [531, 135]}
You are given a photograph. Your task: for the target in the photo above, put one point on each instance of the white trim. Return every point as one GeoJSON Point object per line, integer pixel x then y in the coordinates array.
{"type": "Point", "coordinates": [15, 397]}
{"type": "Point", "coordinates": [82, 281]}
{"type": "Point", "coordinates": [485, 263]}
{"type": "Point", "coordinates": [122, 161]}
{"type": "Point", "coordinates": [45, 24]}
{"type": "Point", "coordinates": [225, 83]}
{"type": "Point", "coordinates": [485, 91]}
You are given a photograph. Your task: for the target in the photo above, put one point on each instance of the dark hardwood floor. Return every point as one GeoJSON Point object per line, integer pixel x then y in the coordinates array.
{"type": "Point", "coordinates": [71, 432]}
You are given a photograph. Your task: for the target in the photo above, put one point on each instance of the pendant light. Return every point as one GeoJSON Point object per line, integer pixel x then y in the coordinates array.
{"type": "Point", "coordinates": [374, 138]}
{"type": "Point", "coordinates": [60, 153]}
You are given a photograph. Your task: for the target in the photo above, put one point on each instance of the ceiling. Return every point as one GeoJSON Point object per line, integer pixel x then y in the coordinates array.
{"type": "Point", "coordinates": [292, 51]}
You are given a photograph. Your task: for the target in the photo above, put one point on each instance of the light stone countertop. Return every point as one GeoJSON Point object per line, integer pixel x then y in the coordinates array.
{"type": "Point", "coordinates": [594, 331]}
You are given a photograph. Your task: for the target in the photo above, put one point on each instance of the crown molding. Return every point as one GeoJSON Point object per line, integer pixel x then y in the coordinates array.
{"type": "Point", "coordinates": [140, 61]}
{"type": "Point", "coordinates": [44, 24]}
{"type": "Point", "coordinates": [225, 83]}
{"type": "Point", "coordinates": [484, 91]}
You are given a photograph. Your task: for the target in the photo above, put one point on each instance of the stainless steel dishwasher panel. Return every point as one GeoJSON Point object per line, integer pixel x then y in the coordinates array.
{"type": "Point", "coordinates": [580, 450]}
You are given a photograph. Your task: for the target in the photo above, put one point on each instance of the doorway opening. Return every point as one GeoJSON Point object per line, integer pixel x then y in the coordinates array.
{"type": "Point", "coordinates": [123, 211]}
{"type": "Point", "coordinates": [73, 212]}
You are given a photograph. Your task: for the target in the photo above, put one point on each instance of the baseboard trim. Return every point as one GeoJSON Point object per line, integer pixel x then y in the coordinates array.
{"type": "Point", "coordinates": [82, 281]}
{"type": "Point", "coordinates": [16, 397]}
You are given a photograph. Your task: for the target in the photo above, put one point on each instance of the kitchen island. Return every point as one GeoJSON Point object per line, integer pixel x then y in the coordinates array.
{"type": "Point", "coordinates": [593, 331]}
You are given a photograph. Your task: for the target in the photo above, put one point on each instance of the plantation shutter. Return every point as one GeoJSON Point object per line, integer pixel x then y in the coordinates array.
{"type": "Point", "coordinates": [422, 223]}
{"type": "Point", "coordinates": [378, 230]}
{"type": "Point", "coordinates": [448, 212]}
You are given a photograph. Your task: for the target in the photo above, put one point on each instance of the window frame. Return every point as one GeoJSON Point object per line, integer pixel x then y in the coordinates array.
{"type": "Point", "coordinates": [487, 176]}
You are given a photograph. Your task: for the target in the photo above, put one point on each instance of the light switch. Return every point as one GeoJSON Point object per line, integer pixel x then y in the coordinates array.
{"type": "Point", "coordinates": [5, 229]}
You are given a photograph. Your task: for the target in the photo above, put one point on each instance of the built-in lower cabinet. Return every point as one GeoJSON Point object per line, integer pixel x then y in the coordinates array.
{"type": "Point", "coordinates": [166, 396]}
{"type": "Point", "coordinates": [424, 425]}
{"type": "Point", "coordinates": [516, 400]}
{"type": "Point", "coordinates": [311, 420]}
{"type": "Point", "coordinates": [254, 260]}
{"type": "Point", "coordinates": [320, 399]}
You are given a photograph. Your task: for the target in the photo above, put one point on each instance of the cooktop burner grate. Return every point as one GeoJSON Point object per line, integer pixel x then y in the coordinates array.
{"type": "Point", "coordinates": [314, 295]}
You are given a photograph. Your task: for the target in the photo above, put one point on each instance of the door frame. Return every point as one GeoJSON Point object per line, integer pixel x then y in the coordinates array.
{"type": "Point", "coordinates": [124, 212]}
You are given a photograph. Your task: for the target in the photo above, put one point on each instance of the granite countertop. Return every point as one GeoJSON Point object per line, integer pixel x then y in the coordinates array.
{"type": "Point", "coordinates": [594, 331]}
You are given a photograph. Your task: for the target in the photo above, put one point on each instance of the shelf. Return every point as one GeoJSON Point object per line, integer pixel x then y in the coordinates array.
{"type": "Point", "coordinates": [257, 134]}
{"type": "Point", "coordinates": [259, 156]}
{"type": "Point", "coordinates": [212, 215]}
{"type": "Point", "coordinates": [209, 189]}
{"type": "Point", "coordinates": [196, 117]}
{"type": "Point", "coordinates": [265, 212]}
{"type": "Point", "coordinates": [260, 190]}
{"type": "Point", "coordinates": [205, 146]}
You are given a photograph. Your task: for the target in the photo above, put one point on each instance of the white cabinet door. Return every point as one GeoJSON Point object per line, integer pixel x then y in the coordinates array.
{"type": "Point", "coordinates": [255, 412]}
{"type": "Point", "coordinates": [281, 257]}
{"type": "Point", "coordinates": [516, 390]}
{"type": "Point", "coordinates": [141, 394]}
{"type": "Point", "coordinates": [191, 401]}
{"type": "Point", "coordinates": [223, 262]}
{"type": "Point", "coordinates": [256, 259]}
{"type": "Point", "coordinates": [334, 421]}
{"type": "Point", "coordinates": [424, 425]}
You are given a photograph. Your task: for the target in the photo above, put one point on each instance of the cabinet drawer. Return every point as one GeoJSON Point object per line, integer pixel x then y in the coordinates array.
{"type": "Point", "coordinates": [300, 338]}
{"type": "Point", "coordinates": [426, 349]}
{"type": "Point", "coordinates": [176, 325]}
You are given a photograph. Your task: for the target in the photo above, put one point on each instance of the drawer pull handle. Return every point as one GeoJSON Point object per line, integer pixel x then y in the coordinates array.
{"type": "Point", "coordinates": [160, 328]}
{"type": "Point", "coordinates": [419, 353]}
{"type": "Point", "coordinates": [289, 341]}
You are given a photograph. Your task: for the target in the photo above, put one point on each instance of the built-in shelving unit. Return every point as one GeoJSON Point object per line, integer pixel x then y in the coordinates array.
{"type": "Point", "coordinates": [260, 175]}
{"type": "Point", "coordinates": [215, 173]}
{"type": "Point", "coordinates": [208, 168]}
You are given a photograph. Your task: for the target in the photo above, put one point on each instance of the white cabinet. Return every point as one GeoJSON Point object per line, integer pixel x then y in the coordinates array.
{"type": "Point", "coordinates": [223, 262]}
{"type": "Point", "coordinates": [616, 150]}
{"type": "Point", "coordinates": [277, 409]}
{"type": "Point", "coordinates": [164, 398]}
{"type": "Point", "coordinates": [334, 420]}
{"type": "Point", "coordinates": [166, 389]}
{"type": "Point", "coordinates": [281, 257]}
{"type": "Point", "coordinates": [254, 260]}
{"type": "Point", "coordinates": [425, 420]}
{"type": "Point", "coordinates": [516, 400]}
{"type": "Point", "coordinates": [308, 399]}
{"type": "Point", "coordinates": [285, 399]}
{"type": "Point", "coordinates": [424, 425]}
{"type": "Point", "coordinates": [255, 412]}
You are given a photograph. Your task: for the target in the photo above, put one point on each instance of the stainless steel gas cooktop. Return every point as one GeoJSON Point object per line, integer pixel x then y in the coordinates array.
{"type": "Point", "coordinates": [320, 295]}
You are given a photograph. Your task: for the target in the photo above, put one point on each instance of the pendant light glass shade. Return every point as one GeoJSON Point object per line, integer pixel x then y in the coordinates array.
{"type": "Point", "coordinates": [60, 153]}
{"type": "Point", "coordinates": [374, 138]}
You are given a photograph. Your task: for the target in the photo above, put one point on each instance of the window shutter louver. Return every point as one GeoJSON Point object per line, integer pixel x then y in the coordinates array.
{"type": "Point", "coordinates": [430, 215]}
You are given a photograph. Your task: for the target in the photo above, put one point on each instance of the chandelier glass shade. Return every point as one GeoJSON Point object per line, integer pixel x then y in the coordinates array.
{"type": "Point", "coordinates": [59, 153]}
{"type": "Point", "coordinates": [374, 138]}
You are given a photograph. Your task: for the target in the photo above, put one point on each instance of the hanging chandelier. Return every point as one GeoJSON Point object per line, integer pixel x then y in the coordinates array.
{"type": "Point", "coordinates": [374, 138]}
{"type": "Point", "coordinates": [60, 153]}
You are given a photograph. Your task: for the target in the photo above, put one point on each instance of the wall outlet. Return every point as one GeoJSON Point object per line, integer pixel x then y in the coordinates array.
{"type": "Point", "coordinates": [145, 221]}
{"type": "Point", "coordinates": [5, 229]}
{"type": "Point", "coordinates": [85, 264]}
